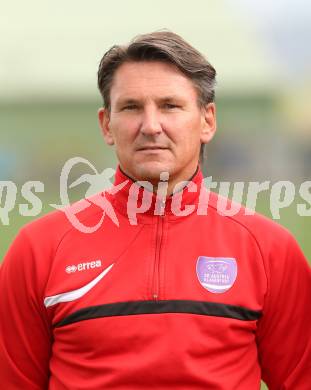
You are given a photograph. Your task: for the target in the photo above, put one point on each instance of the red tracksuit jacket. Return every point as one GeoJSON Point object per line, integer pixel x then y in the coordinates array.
{"type": "Point", "coordinates": [181, 302]}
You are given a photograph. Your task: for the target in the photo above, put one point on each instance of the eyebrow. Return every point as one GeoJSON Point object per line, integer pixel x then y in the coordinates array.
{"type": "Point", "coordinates": [121, 102]}
{"type": "Point", "coordinates": [170, 98]}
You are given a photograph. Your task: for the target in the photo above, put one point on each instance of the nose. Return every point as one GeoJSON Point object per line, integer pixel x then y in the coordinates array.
{"type": "Point", "coordinates": [151, 124]}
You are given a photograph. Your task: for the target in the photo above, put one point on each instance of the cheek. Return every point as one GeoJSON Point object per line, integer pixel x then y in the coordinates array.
{"type": "Point", "coordinates": [125, 121]}
{"type": "Point", "coordinates": [124, 131]}
{"type": "Point", "coordinates": [187, 133]}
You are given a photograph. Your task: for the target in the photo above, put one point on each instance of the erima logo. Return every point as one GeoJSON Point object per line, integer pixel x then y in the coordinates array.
{"type": "Point", "coordinates": [83, 266]}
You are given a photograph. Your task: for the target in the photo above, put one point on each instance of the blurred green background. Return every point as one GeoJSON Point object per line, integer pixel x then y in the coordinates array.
{"type": "Point", "coordinates": [48, 99]}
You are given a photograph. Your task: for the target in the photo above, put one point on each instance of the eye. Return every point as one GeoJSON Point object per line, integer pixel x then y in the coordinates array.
{"type": "Point", "coordinates": [170, 106]}
{"type": "Point", "coordinates": [130, 107]}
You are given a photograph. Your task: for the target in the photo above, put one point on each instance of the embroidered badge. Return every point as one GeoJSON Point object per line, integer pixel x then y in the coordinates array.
{"type": "Point", "coordinates": [216, 274]}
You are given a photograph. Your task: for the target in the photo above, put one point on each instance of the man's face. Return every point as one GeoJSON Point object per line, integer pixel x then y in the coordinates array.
{"type": "Point", "coordinates": [155, 121]}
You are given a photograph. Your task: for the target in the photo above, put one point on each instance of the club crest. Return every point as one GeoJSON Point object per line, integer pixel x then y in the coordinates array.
{"type": "Point", "coordinates": [216, 274]}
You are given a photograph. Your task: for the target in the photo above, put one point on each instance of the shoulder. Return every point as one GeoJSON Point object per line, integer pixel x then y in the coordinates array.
{"type": "Point", "coordinates": [279, 251]}
{"type": "Point", "coordinates": [266, 232]}
{"type": "Point", "coordinates": [51, 228]}
{"type": "Point", "coordinates": [36, 245]}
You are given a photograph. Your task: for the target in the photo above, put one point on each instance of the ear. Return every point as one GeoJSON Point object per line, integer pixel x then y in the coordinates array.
{"type": "Point", "coordinates": [209, 126]}
{"type": "Point", "coordinates": [104, 124]}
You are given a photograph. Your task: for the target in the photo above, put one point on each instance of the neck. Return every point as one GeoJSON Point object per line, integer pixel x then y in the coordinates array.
{"type": "Point", "coordinates": [165, 186]}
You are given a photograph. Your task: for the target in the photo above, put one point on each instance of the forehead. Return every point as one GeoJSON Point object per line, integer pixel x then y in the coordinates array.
{"type": "Point", "coordinates": [151, 79]}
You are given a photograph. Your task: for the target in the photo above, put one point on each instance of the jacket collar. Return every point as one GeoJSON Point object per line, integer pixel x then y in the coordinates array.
{"type": "Point", "coordinates": [134, 200]}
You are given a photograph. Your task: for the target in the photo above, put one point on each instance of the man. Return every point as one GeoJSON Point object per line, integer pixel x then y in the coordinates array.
{"type": "Point", "coordinates": [179, 297]}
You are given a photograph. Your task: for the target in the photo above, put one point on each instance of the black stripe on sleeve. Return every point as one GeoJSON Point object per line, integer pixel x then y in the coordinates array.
{"type": "Point", "coordinates": [158, 307]}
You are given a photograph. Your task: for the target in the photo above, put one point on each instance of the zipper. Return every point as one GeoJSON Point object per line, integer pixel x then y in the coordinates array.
{"type": "Point", "coordinates": [156, 269]}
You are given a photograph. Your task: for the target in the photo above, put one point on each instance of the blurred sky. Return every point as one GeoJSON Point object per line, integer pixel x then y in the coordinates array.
{"type": "Point", "coordinates": [285, 28]}
{"type": "Point", "coordinates": [52, 48]}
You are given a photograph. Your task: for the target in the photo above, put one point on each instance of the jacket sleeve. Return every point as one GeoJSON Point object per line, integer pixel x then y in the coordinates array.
{"type": "Point", "coordinates": [25, 337]}
{"type": "Point", "coordinates": [284, 332]}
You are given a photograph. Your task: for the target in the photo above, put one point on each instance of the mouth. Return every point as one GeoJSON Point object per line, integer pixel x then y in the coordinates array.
{"type": "Point", "coordinates": [151, 148]}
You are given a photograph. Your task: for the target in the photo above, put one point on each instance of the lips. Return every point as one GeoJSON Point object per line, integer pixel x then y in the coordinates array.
{"type": "Point", "coordinates": [151, 148]}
